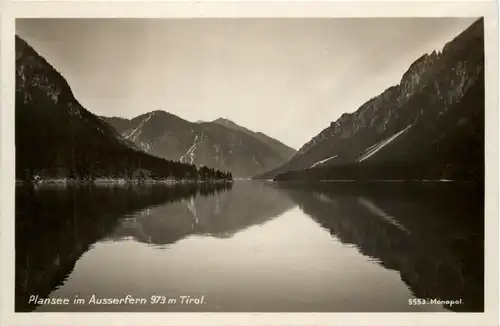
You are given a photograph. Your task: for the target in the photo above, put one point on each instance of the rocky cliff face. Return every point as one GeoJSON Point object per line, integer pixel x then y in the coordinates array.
{"type": "Point", "coordinates": [57, 138]}
{"type": "Point", "coordinates": [436, 109]}
{"type": "Point", "coordinates": [220, 144]}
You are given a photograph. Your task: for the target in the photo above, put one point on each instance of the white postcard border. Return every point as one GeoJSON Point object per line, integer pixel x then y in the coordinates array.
{"type": "Point", "coordinates": [206, 9]}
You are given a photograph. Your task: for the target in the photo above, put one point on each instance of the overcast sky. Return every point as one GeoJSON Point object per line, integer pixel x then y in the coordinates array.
{"type": "Point", "coordinates": [288, 78]}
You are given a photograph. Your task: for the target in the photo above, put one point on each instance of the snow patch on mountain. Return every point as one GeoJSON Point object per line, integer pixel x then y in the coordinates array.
{"type": "Point", "coordinates": [136, 132]}
{"type": "Point", "coordinates": [190, 154]}
{"type": "Point", "coordinates": [145, 146]}
{"type": "Point", "coordinates": [323, 161]}
{"type": "Point", "coordinates": [378, 146]}
{"type": "Point", "coordinates": [217, 152]}
{"type": "Point", "coordinates": [255, 162]}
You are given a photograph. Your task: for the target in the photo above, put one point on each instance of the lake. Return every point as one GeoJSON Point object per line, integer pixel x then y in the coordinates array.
{"type": "Point", "coordinates": [250, 246]}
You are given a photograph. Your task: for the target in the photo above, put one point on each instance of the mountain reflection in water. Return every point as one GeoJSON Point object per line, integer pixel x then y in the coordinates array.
{"type": "Point", "coordinates": [432, 234]}
{"type": "Point", "coordinates": [252, 246]}
{"type": "Point", "coordinates": [56, 224]}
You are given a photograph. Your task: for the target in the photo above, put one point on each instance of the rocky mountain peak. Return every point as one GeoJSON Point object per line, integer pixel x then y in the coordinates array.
{"type": "Point", "coordinates": [224, 121]}
{"type": "Point", "coordinates": [220, 144]}
{"type": "Point", "coordinates": [416, 73]}
{"type": "Point", "coordinates": [57, 138]}
{"type": "Point", "coordinates": [430, 86]}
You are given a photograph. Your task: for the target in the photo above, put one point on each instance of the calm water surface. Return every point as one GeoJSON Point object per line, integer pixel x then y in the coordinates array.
{"type": "Point", "coordinates": [252, 246]}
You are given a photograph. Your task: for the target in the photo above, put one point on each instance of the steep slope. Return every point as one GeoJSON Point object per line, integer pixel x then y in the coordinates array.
{"type": "Point", "coordinates": [208, 144]}
{"type": "Point", "coordinates": [283, 150]}
{"type": "Point", "coordinates": [57, 138]}
{"type": "Point", "coordinates": [433, 119]}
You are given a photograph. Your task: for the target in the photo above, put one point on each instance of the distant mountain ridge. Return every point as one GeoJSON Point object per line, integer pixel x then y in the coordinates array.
{"type": "Point", "coordinates": [286, 152]}
{"type": "Point", "coordinates": [430, 125]}
{"type": "Point", "coordinates": [57, 138]}
{"type": "Point", "coordinates": [220, 144]}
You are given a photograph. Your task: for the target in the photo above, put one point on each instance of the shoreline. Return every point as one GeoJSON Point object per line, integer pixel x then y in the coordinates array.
{"type": "Point", "coordinates": [118, 181]}
{"type": "Point", "coordinates": [375, 181]}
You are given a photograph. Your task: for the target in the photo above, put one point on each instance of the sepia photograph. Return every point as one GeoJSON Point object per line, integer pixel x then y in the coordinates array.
{"type": "Point", "coordinates": [250, 165]}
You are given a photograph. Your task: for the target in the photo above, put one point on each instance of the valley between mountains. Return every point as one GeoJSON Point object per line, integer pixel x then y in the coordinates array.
{"type": "Point", "coordinates": [428, 127]}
